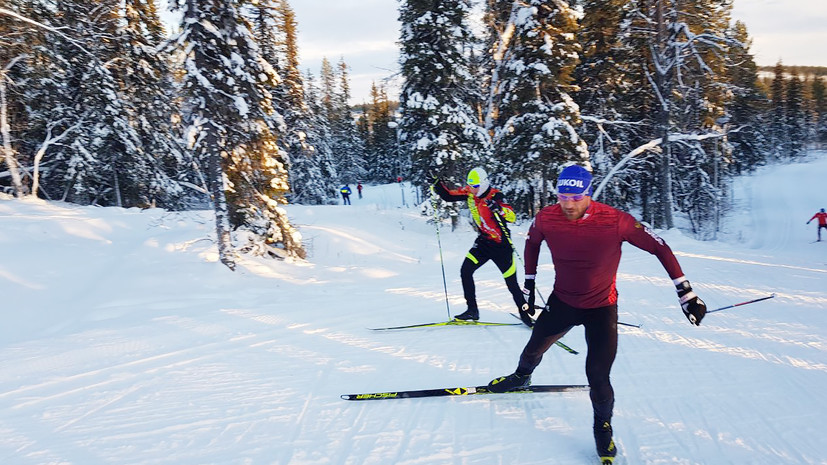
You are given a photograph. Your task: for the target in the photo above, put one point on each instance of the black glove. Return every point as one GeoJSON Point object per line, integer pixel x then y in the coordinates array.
{"type": "Point", "coordinates": [693, 307]}
{"type": "Point", "coordinates": [494, 206]}
{"type": "Point", "coordinates": [528, 291]}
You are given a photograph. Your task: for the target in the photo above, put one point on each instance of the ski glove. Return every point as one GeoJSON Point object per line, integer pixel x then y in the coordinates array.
{"type": "Point", "coordinates": [693, 307]}
{"type": "Point", "coordinates": [528, 292]}
{"type": "Point", "coordinates": [494, 206]}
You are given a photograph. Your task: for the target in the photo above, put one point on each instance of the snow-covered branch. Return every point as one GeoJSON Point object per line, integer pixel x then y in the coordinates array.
{"type": "Point", "coordinates": [47, 141]}
{"type": "Point", "coordinates": [653, 144]}
{"type": "Point", "coordinates": [4, 11]}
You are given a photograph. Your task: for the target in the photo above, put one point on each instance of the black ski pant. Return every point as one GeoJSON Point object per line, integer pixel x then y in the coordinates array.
{"type": "Point", "coordinates": [503, 256]}
{"type": "Point", "coordinates": [819, 230]}
{"type": "Point", "coordinates": [600, 325]}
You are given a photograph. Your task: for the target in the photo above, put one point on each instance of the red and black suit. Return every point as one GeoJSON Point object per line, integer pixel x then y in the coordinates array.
{"type": "Point", "coordinates": [586, 255]}
{"type": "Point", "coordinates": [492, 243]}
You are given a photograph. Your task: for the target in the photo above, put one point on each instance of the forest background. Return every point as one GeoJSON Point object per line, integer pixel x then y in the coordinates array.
{"type": "Point", "coordinates": [662, 99]}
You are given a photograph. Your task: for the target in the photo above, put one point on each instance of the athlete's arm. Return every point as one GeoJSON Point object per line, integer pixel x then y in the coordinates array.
{"type": "Point", "coordinates": [635, 233]}
{"type": "Point", "coordinates": [449, 195]}
{"type": "Point", "coordinates": [532, 249]}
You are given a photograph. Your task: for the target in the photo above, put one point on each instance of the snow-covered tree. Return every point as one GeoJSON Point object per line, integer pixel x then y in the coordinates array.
{"type": "Point", "coordinates": [383, 157]}
{"type": "Point", "coordinates": [819, 92]}
{"type": "Point", "coordinates": [745, 111]}
{"type": "Point", "coordinates": [347, 144]}
{"type": "Point", "coordinates": [605, 76]}
{"type": "Point", "coordinates": [779, 140]}
{"type": "Point", "coordinates": [320, 137]}
{"type": "Point", "coordinates": [438, 127]}
{"type": "Point", "coordinates": [307, 179]}
{"type": "Point", "coordinates": [684, 44]}
{"type": "Point", "coordinates": [146, 85]}
{"type": "Point", "coordinates": [232, 124]}
{"type": "Point", "coordinates": [535, 129]}
{"type": "Point", "coordinates": [796, 115]}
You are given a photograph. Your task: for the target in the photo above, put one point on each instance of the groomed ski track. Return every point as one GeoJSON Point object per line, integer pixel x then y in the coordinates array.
{"type": "Point", "coordinates": [125, 343]}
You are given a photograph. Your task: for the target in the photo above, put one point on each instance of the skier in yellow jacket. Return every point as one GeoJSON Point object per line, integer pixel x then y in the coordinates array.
{"type": "Point", "coordinates": [490, 212]}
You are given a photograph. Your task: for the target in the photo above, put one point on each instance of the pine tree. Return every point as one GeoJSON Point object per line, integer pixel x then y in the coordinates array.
{"type": "Point", "coordinates": [819, 92]}
{"type": "Point", "coordinates": [779, 139]}
{"type": "Point", "coordinates": [319, 136]}
{"type": "Point", "coordinates": [146, 83]}
{"type": "Point", "coordinates": [796, 115]}
{"type": "Point", "coordinates": [104, 161]}
{"type": "Point", "coordinates": [536, 126]}
{"type": "Point", "coordinates": [438, 127]}
{"type": "Point", "coordinates": [749, 143]}
{"type": "Point", "coordinates": [347, 145]}
{"type": "Point", "coordinates": [382, 158]}
{"type": "Point", "coordinates": [14, 70]}
{"type": "Point", "coordinates": [605, 77]}
{"type": "Point", "coordinates": [684, 43]}
{"type": "Point", "coordinates": [231, 128]}
{"type": "Point", "coordinates": [308, 181]}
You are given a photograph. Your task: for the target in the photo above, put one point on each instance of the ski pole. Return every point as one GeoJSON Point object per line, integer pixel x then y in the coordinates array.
{"type": "Point", "coordinates": [742, 303]}
{"type": "Point", "coordinates": [439, 243]}
{"type": "Point", "coordinates": [628, 324]}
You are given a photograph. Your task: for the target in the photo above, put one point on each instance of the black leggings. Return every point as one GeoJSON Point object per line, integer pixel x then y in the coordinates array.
{"type": "Point", "coordinates": [503, 256]}
{"type": "Point", "coordinates": [601, 339]}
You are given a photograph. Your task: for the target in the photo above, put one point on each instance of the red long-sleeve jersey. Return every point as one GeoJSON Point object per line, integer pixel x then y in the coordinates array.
{"type": "Point", "coordinates": [822, 218]}
{"type": "Point", "coordinates": [586, 252]}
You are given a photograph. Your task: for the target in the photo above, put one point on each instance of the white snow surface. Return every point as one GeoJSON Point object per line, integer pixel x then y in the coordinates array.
{"type": "Point", "coordinates": [124, 341]}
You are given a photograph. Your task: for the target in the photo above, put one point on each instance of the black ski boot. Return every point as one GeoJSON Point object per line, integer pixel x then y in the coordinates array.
{"type": "Point", "coordinates": [470, 314]}
{"type": "Point", "coordinates": [606, 449]}
{"type": "Point", "coordinates": [512, 382]}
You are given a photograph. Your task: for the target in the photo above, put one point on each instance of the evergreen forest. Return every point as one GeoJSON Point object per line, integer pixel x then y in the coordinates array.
{"type": "Point", "coordinates": [661, 99]}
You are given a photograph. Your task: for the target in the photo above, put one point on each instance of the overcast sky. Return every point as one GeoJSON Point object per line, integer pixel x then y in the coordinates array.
{"type": "Point", "coordinates": [365, 32]}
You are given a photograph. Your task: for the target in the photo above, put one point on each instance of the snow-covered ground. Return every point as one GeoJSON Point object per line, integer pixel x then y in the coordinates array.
{"type": "Point", "coordinates": [123, 341]}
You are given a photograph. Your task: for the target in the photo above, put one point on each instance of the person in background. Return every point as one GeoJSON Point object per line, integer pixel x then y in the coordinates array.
{"type": "Point", "coordinates": [822, 222]}
{"type": "Point", "coordinates": [490, 213]}
{"type": "Point", "coordinates": [585, 239]}
{"type": "Point", "coordinates": [359, 189]}
{"type": "Point", "coordinates": [345, 190]}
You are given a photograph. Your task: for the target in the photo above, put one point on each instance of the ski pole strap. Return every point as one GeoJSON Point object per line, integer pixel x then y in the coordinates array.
{"type": "Point", "coordinates": [742, 303]}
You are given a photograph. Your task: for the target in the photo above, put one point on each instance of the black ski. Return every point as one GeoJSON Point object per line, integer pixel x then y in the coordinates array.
{"type": "Point", "coordinates": [462, 391]}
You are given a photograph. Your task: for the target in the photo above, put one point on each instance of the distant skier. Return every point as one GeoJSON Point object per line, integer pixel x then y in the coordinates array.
{"type": "Point", "coordinates": [822, 222]}
{"type": "Point", "coordinates": [359, 189]}
{"type": "Point", "coordinates": [490, 212]}
{"type": "Point", "coordinates": [585, 239]}
{"type": "Point", "coordinates": [346, 194]}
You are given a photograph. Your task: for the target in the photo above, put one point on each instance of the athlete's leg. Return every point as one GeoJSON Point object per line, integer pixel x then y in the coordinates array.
{"type": "Point", "coordinates": [504, 258]}
{"type": "Point", "coordinates": [551, 325]}
{"type": "Point", "coordinates": [475, 258]}
{"type": "Point", "coordinates": [601, 338]}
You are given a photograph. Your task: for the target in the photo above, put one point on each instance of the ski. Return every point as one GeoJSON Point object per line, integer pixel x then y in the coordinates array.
{"type": "Point", "coordinates": [448, 323]}
{"type": "Point", "coordinates": [462, 391]}
{"type": "Point", "coordinates": [558, 343]}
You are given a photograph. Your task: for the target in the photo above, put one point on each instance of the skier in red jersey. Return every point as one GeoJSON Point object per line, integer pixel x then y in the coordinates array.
{"type": "Point", "coordinates": [822, 222]}
{"type": "Point", "coordinates": [490, 213]}
{"type": "Point", "coordinates": [585, 238]}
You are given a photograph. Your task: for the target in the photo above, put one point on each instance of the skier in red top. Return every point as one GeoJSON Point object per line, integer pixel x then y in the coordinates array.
{"type": "Point", "coordinates": [585, 239]}
{"type": "Point", "coordinates": [822, 222]}
{"type": "Point", "coordinates": [490, 212]}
